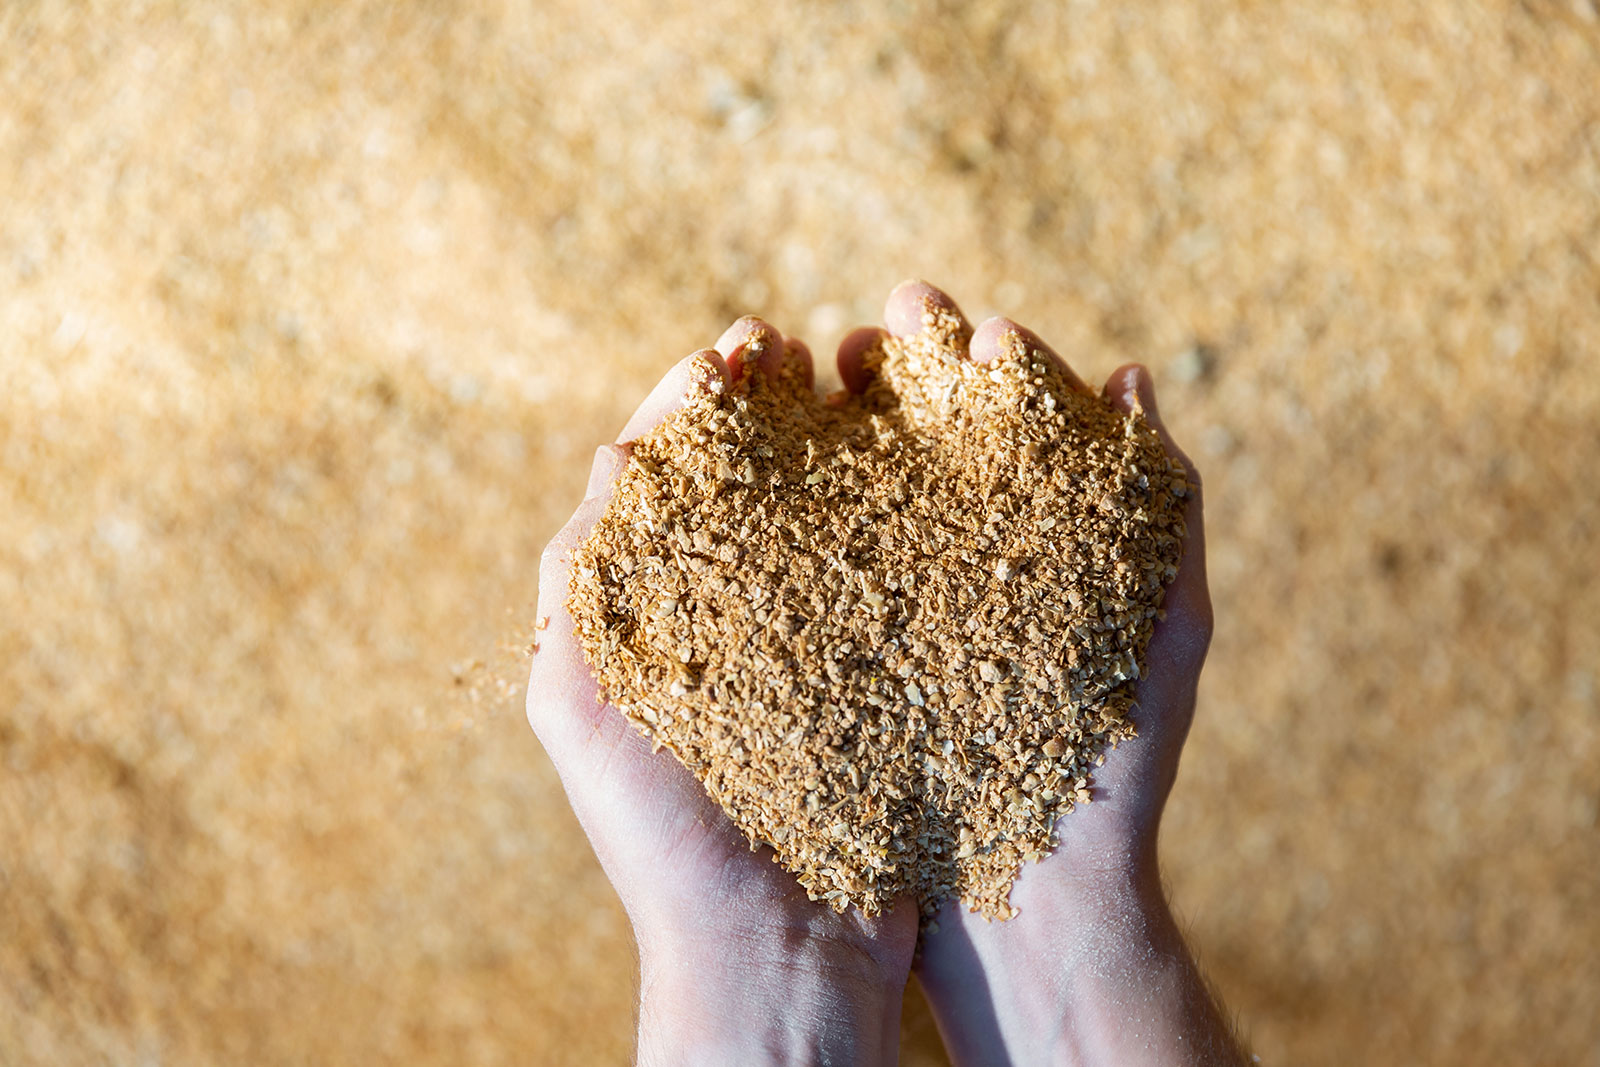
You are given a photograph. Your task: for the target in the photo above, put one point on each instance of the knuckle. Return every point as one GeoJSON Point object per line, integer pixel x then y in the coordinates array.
{"type": "Point", "coordinates": [1205, 628]}
{"type": "Point", "coordinates": [553, 560]}
{"type": "Point", "coordinates": [1199, 628]}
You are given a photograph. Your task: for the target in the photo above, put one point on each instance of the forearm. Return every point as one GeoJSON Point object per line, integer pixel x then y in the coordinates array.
{"type": "Point", "coordinates": [1102, 977]}
{"type": "Point", "coordinates": [740, 1004]}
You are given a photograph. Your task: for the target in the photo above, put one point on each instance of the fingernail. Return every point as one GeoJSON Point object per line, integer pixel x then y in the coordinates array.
{"type": "Point", "coordinates": [914, 303]}
{"type": "Point", "coordinates": [708, 373]}
{"type": "Point", "coordinates": [1144, 391]}
{"type": "Point", "coordinates": [751, 341]}
{"type": "Point", "coordinates": [994, 338]}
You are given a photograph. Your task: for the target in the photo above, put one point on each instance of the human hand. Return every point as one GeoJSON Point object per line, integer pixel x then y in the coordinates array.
{"type": "Point", "coordinates": [1092, 968]}
{"type": "Point", "coordinates": [736, 964]}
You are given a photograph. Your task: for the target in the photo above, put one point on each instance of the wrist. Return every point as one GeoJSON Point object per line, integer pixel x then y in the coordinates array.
{"type": "Point", "coordinates": [1126, 989]}
{"type": "Point", "coordinates": [1091, 970]}
{"type": "Point", "coordinates": [764, 998]}
{"type": "Point", "coordinates": [1098, 930]}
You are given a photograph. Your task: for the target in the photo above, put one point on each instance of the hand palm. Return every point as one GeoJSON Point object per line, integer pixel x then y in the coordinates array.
{"type": "Point", "coordinates": [676, 861]}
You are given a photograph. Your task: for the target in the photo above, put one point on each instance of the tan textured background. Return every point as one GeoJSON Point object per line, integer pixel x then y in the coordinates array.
{"type": "Point", "coordinates": [311, 315]}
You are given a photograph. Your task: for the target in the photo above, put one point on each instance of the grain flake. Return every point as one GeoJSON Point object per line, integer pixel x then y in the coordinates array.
{"type": "Point", "coordinates": [819, 610]}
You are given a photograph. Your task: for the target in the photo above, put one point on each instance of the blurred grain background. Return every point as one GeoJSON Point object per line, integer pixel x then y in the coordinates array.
{"type": "Point", "coordinates": [311, 314]}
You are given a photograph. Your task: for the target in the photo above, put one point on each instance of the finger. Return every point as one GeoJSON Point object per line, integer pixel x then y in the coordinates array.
{"type": "Point", "coordinates": [608, 463]}
{"type": "Point", "coordinates": [798, 353]}
{"type": "Point", "coordinates": [704, 371]}
{"type": "Point", "coordinates": [609, 769]}
{"type": "Point", "coordinates": [751, 341]}
{"type": "Point", "coordinates": [996, 337]}
{"type": "Point", "coordinates": [1130, 388]}
{"type": "Point", "coordinates": [915, 307]}
{"type": "Point", "coordinates": [564, 705]}
{"type": "Point", "coordinates": [1181, 639]}
{"type": "Point", "coordinates": [1136, 778]}
{"type": "Point", "coordinates": [854, 357]}
{"type": "Point", "coordinates": [560, 678]}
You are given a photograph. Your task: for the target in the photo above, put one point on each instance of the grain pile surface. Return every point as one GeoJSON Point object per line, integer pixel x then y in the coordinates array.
{"type": "Point", "coordinates": [310, 315]}
{"type": "Point", "coordinates": [894, 633]}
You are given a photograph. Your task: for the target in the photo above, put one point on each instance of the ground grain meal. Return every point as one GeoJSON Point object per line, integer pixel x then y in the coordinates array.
{"type": "Point", "coordinates": [894, 633]}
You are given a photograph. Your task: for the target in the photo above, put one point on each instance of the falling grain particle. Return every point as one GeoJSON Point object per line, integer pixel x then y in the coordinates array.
{"type": "Point", "coordinates": [813, 655]}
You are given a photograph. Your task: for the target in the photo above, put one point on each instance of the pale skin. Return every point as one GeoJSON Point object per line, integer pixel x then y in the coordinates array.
{"type": "Point", "coordinates": [737, 966]}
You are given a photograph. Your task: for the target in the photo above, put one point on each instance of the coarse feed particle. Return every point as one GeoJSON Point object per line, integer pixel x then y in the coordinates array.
{"type": "Point", "coordinates": [891, 633]}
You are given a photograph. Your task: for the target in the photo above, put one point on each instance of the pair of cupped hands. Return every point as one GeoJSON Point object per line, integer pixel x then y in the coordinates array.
{"type": "Point", "coordinates": [737, 966]}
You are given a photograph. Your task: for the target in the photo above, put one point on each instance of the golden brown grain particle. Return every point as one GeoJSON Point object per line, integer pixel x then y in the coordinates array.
{"type": "Point", "coordinates": [892, 636]}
